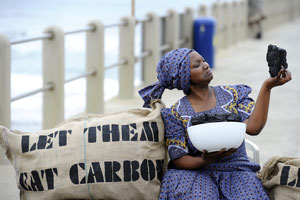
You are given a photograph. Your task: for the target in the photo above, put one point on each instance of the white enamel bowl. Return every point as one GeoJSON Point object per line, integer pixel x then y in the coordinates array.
{"type": "Point", "coordinates": [217, 135]}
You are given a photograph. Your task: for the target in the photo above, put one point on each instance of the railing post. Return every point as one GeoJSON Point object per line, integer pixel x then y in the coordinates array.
{"type": "Point", "coordinates": [95, 61]}
{"type": "Point", "coordinates": [292, 15]}
{"type": "Point", "coordinates": [288, 11]}
{"type": "Point", "coordinates": [126, 51]}
{"type": "Point", "coordinates": [243, 14]}
{"type": "Point", "coordinates": [226, 25]}
{"type": "Point", "coordinates": [222, 25]}
{"type": "Point", "coordinates": [215, 12]}
{"type": "Point", "coordinates": [280, 13]}
{"type": "Point", "coordinates": [53, 72]}
{"type": "Point", "coordinates": [5, 87]}
{"type": "Point", "coordinates": [298, 8]}
{"type": "Point", "coordinates": [273, 18]}
{"type": "Point", "coordinates": [266, 13]}
{"type": "Point", "coordinates": [238, 21]}
{"type": "Point", "coordinates": [293, 8]}
{"type": "Point", "coordinates": [202, 11]}
{"type": "Point", "coordinates": [187, 29]}
{"type": "Point", "coordinates": [229, 20]}
{"type": "Point", "coordinates": [270, 20]}
{"type": "Point", "coordinates": [268, 6]}
{"type": "Point", "coordinates": [172, 29]}
{"type": "Point", "coordinates": [151, 43]}
{"type": "Point", "coordinates": [234, 23]}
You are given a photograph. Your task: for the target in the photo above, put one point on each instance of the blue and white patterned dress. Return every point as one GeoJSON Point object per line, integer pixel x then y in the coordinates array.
{"type": "Point", "coordinates": [232, 177]}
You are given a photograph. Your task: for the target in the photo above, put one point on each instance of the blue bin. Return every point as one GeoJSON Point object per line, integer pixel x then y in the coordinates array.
{"type": "Point", "coordinates": [204, 30]}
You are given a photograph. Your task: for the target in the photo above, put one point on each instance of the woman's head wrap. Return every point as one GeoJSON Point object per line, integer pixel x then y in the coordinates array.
{"type": "Point", "coordinates": [173, 71]}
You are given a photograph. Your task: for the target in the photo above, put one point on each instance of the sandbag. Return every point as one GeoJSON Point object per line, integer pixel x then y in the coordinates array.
{"type": "Point", "coordinates": [110, 156]}
{"type": "Point", "coordinates": [281, 177]}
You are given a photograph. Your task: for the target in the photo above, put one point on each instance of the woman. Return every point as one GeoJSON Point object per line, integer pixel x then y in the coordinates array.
{"type": "Point", "coordinates": [200, 175]}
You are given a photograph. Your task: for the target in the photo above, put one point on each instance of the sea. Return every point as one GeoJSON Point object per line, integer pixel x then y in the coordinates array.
{"type": "Point", "coordinates": [28, 18]}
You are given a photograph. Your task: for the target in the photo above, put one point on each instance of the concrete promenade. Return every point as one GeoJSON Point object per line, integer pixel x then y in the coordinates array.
{"type": "Point", "coordinates": [244, 63]}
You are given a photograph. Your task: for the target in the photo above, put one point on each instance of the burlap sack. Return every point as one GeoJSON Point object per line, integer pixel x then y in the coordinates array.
{"type": "Point", "coordinates": [111, 156]}
{"type": "Point", "coordinates": [281, 177]}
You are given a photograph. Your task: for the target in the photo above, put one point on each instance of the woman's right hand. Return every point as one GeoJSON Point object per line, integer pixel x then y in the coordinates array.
{"type": "Point", "coordinates": [257, 120]}
{"type": "Point", "coordinates": [217, 155]}
{"type": "Point", "coordinates": [282, 77]}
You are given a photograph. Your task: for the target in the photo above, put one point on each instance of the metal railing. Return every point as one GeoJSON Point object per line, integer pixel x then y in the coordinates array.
{"type": "Point", "coordinates": [91, 72]}
{"type": "Point", "coordinates": [48, 86]}
{"type": "Point", "coordinates": [49, 35]}
{"type": "Point", "coordinates": [31, 39]}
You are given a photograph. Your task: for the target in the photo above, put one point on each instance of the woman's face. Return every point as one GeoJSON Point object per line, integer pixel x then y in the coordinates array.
{"type": "Point", "coordinates": [200, 70]}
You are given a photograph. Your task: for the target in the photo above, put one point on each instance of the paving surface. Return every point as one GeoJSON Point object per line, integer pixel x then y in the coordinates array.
{"type": "Point", "coordinates": [242, 63]}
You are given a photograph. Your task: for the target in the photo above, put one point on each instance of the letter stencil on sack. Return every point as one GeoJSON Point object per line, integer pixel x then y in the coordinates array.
{"type": "Point", "coordinates": [110, 171]}
{"type": "Point", "coordinates": [128, 132]}
{"type": "Point", "coordinates": [58, 138]}
{"type": "Point", "coordinates": [284, 177]}
{"type": "Point", "coordinates": [38, 180]}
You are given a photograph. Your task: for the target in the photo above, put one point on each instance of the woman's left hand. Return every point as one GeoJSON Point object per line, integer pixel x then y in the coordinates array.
{"type": "Point", "coordinates": [217, 155]}
{"type": "Point", "coordinates": [282, 77]}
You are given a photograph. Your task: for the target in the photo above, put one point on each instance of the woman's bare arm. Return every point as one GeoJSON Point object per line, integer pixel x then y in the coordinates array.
{"type": "Point", "coordinates": [194, 162]}
{"type": "Point", "coordinates": [257, 120]}
{"type": "Point", "coordinates": [190, 162]}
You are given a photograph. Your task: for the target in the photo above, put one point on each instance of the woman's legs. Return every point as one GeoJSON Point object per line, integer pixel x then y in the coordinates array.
{"type": "Point", "coordinates": [185, 184]}
{"type": "Point", "coordinates": [241, 185]}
